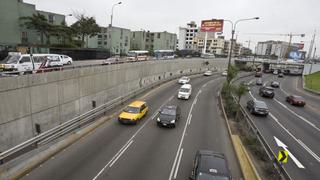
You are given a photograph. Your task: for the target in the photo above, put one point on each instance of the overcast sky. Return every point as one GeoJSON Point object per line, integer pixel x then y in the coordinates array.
{"type": "Point", "coordinates": [276, 16]}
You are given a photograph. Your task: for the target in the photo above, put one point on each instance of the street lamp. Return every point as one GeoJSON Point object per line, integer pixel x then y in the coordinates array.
{"type": "Point", "coordinates": [112, 11]}
{"type": "Point", "coordinates": [234, 25]}
{"type": "Point", "coordinates": [111, 50]}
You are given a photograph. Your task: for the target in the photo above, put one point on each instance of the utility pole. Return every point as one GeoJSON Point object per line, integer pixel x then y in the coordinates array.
{"type": "Point", "coordinates": [311, 45]}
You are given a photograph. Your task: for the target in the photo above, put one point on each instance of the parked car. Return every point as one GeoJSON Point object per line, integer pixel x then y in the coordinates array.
{"type": "Point", "coordinates": [257, 107]}
{"type": "Point", "coordinates": [280, 75]}
{"type": "Point", "coordinates": [259, 82]}
{"type": "Point", "coordinates": [133, 113]}
{"type": "Point", "coordinates": [225, 73]}
{"type": "Point", "coordinates": [185, 91]}
{"type": "Point", "coordinates": [209, 165]}
{"type": "Point", "coordinates": [258, 74]}
{"type": "Point", "coordinates": [168, 116]}
{"type": "Point", "coordinates": [208, 73]}
{"type": "Point", "coordinates": [184, 80]}
{"type": "Point", "coordinates": [66, 60]}
{"type": "Point", "coordinates": [207, 56]}
{"type": "Point", "coordinates": [296, 100]}
{"type": "Point", "coordinates": [275, 84]}
{"type": "Point", "coordinates": [266, 91]}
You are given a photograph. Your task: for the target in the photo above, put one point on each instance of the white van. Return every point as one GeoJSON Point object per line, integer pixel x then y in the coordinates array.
{"type": "Point", "coordinates": [185, 91]}
{"type": "Point", "coordinates": [25, 62]}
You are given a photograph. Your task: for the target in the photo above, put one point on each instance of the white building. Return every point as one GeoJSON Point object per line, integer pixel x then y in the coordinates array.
{"type": "Point", "coordinates": [186, 36]}
{"type": "Point", "coordinates": [214, 45]}
{"type": "Point", "coordinates": [268, 48]}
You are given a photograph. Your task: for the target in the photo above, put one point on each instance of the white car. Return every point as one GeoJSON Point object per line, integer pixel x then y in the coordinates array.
{"type": "Point", "coordinates": [207, 73]}
{"type": "Point", "coordinates": [224, 73]}
{"type": "Point", "coordinates": [184, 80]}
{"type": "Point", "coordinates": [66, 60]}
{"type": "Point", "coordinates": [185, 91]}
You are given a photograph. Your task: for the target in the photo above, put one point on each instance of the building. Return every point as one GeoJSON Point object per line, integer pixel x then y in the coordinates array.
{"type": "Point", "coordinates": [186, 36]}
{"type": "Point", "coordinates": [146, 40]}
{"type": "Point", "coordinates": [245, 51]}
{"type": "Point", "coordinates": [116, 39]}
{"type": "Point", "coordinates": [274, 48]}
{"type": "Point", "coordinates": [213, 46]}
{"type": "Point", "coordinates": [236, 48]}
{"type": "Point", "coordinates": [12, 33]}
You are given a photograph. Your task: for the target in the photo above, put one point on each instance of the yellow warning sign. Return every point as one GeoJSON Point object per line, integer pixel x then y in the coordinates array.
{"type": "Point", "coordinates": [283, 156]}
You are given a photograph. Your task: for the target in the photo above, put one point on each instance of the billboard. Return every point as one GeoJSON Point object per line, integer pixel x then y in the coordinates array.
{"type": "Point", "coordinates": [297, 55]}
{"type": "Point", "coordinates": [212, 25]}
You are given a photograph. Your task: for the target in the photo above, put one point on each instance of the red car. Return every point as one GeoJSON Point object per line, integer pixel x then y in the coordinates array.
{"type": "Point", "coordinates": [296, 100]}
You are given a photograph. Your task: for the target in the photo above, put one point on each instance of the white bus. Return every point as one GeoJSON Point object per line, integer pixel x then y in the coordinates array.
{"type": "Point", "coordinates": [137, 55]}
{"type": "Point", "coordinates": [164, 54]}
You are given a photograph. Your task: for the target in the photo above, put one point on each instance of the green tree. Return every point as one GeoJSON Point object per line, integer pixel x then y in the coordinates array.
{"type": "Point", "coordinates": [63, 33]}
{"type": "Point", "coordinates": [39, 23]}
{"type": "Point", "coordinates": [239, 91]}
{"type": "Point", "coordinates": [232, 73]}
{"type": "Point", "coordinates": [85, 26]}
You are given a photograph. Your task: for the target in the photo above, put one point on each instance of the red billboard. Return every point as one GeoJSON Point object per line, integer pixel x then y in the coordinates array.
{"type": "Point", "coordinates": [212, 25]}
{"type": "Point", "coordinates": [300, 46]}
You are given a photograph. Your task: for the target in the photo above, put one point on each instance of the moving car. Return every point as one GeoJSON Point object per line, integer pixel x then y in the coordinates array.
{"type": "Point", "coordinates": [224, 73]}
{"type": "Point", "coordinates": [266, 91]}
{"type": "Point", "coordinates": [112, 60]}
{"type": "Point", "coordinates": [259, 82]}
{"type": "Point", "coordinates": [133, 113]}
{"type": "Point", "coordinates": [280, 75]}
{"type": "Point", "coordinates": [258, 74]}
{"type": "Point", "coordinates": [209, 165]}
{"type": "Point", "coordinates": [185, 91]}
{"type": "Point", "coordinates": [207, 73]}
{"type": "Point", "coordinates": [275, 72]}
{"type": "Point", "coordinates": [275, 84]}
{"type": "Point", "coordinates": [168, 116]}
{"type": "Point", "coordinates": [257, 107]}
{"type": "Point", "coordinates": [66, 60]}
{"type": "Point", "coordinates": [184, 80]}
{"type": "Point", "coordinates": [296, 100]}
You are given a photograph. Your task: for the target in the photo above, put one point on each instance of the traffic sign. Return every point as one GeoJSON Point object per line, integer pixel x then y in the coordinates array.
{"type": "Point", "coordinates": [283, 156]}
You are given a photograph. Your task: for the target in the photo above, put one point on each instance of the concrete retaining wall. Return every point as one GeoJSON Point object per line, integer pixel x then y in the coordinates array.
{"type": "Point", "coordinates": [52, 98]}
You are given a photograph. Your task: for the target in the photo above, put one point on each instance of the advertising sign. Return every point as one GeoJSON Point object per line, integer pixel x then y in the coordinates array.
{"type": "Point", "coordinates": [213, 25]}
{"type": "Point", "coordinates": [297, 55]}
{"type": "Point", "coordinates": [300, 46]}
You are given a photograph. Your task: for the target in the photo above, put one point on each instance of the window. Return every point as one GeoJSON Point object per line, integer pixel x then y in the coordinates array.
{"type": "Point", "coordinates": [121, 33]}
{"type": "Point", "coordinates": [120, 44]}
{"type": "Point", "coordinates": [99, 42]}
{"type": "Point", "coordinates": [24, 37]}
{"type": "Point", "coordinates": [133, 34]}
{"type": "Point", "coordinates": [125, 44]}
{"type": "Point", "coordinates": [99, 36]}
{"type": "Point", "coordinates": [51, 18]}
{"type": "Point", "coordinates": [159, 35]}
{"type": "Point", "coordinates": [25, 59]}
{"type": "Point", "coordinates": [105, 43]}
{"type": "Point", "coordinates": [105, 36]}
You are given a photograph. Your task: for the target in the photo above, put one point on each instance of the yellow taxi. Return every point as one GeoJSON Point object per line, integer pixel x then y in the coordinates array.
{"type": "Point", "coordinates": [133, 112]}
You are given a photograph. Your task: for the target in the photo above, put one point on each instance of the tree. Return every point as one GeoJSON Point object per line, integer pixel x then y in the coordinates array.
{"type": "Point", "coordinates": [63, 33]}
{"type": "Point", "coordinates": [239, 91]}
{"type": "Point", "coordinates": [85, 26]}
{"type": "Point", "coordinates": [39, 23]}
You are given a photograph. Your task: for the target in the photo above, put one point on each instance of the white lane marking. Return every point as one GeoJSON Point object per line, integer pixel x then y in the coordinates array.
{"type": "Point", "coordinates": [121, 153]}
{"type": "Point", "coordinates": [309, 150]}
{"type": "Point", "coordinates": [297, 140]}
{"type": "Point", "coordinates": [252, 95]}
{"type": "Point", "coordinates": [177, 169]}
{"type": "Point", "coordinates": [130, 140]}
{"type": "Point", "coordinates": [204, 85]}
{"type": "Point", "coordinates": [195, 102]}
{"type": "Point", "coordinates": [189, 119]}
{"type": "Point", "coordinates": [299, 116]}
{"type": "Point", "coordinates": [285, 92]}
{"type": "Point", "coordinates": [295, 160]}
{"type": "Point", "coordinates": [182, 138]}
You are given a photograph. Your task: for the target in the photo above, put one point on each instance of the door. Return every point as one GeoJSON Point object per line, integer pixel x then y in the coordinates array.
{"type": "Point", "coordinates": [25, 64]}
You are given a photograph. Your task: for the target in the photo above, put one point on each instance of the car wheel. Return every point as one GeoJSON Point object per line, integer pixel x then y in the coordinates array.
{"type": "Point", "coordinates": [69, 62]}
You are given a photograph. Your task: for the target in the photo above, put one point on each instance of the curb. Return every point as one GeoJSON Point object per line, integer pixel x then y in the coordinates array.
{"type": "Point", "coordinates": [248, 169]}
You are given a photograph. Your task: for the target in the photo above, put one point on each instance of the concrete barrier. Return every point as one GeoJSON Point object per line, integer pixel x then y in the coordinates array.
{"type": "Point", "coordinates": [39, 102]}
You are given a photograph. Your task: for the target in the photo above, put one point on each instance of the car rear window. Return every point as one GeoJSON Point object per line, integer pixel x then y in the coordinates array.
{"type": "Point", "coordinates": [130, 109]}
{"type": "Point", "coordinates": [167, 111]}
{"type": "Point", "coordinates": [261, 104]}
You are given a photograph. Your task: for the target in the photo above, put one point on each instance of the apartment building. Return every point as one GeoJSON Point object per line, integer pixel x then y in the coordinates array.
{"type": "Point", "coordinates": [146, 40]}
{"type": "Point", "coordinates": [186, 36]}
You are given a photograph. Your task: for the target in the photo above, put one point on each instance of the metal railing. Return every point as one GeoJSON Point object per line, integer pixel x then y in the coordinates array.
{"type": "Point", "coordinates": [81, 120]}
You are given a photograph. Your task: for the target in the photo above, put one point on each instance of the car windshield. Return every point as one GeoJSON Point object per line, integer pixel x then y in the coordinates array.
{"type": "Point", "coordinates": [204, 176]}
{"type": "Point", "coordinates": [184, 78]}
{"type": "Point", "coordinates": [261, 104]}
{"type": "Point", "coordinates": [170, 112]}
{"type": "Point", "coordinates": [130, 109]}
{"type": "Point", "coordinates": [185, 90]}
{"type": "Point", "coordinates": [12, 59]}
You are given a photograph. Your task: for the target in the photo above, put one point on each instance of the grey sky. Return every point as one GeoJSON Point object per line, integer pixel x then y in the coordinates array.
{"type": "Point", "coordinates": [276, 16]}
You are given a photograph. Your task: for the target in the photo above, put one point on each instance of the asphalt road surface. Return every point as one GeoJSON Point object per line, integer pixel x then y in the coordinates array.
{"type": "Point", "coordinates": [146, 151]}
{"type": "Point", "coordinates": [296, 127]}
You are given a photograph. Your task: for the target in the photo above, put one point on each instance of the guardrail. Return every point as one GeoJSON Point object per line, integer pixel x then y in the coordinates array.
{"type": "Point", "coordinates": [262, 140]}
{"type": "Point", "coordinates": [78, 121]}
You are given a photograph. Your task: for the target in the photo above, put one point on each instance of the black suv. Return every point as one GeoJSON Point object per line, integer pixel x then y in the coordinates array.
{"type": "Point", "coordinates": [210, 165]}
{"type": "Point", "coordinates": [266, 92]}
{"type": "Point", "coordinates": [168, 116]}
{"type": "Point", "coordinates": [258, 107]}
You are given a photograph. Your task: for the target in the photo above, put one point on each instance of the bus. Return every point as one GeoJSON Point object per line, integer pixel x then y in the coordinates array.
{"type": "Point", "coordinates": [164, 54]}
{"type": "Point", "coordinates": [137, 55]}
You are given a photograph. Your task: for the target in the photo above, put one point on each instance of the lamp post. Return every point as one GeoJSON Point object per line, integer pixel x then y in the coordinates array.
{"type": "Point", "coordinates": [234, 25]}
{"type": "Point", "coordinates": [111, 50]}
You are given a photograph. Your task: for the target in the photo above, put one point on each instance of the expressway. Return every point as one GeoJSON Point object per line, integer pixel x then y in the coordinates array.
{"type": "Point", "coordinates": [298, 128]}
{"type": "Point", "coordinates": [145, 151]}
